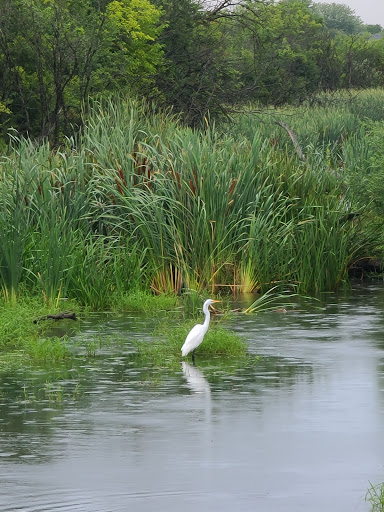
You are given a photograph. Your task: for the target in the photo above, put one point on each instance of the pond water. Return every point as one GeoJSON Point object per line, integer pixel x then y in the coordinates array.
{"type": "Point", "coordinates": [300, 430]}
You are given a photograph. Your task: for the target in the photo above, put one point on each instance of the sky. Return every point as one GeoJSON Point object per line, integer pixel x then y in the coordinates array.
{"type": "Point", "coordinates": [370, 11]}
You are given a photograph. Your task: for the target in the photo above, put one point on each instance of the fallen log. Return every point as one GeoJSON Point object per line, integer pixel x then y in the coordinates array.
{"type": "Point", "coordinates": [293, 137]}
{"type": "Point", "coordinates": [58, 316]}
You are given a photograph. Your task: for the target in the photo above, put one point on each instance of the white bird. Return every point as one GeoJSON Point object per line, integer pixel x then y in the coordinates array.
{"type": "Point", "coordinates": [197, 333]}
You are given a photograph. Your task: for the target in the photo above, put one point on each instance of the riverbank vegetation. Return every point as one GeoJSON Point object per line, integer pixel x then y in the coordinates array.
{"type": "Point", "coordinates": [139, 201]}
{"type": "Point", "coordinates": [175, 149]}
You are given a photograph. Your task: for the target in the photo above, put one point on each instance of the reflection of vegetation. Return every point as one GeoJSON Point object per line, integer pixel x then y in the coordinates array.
{"type": "Point", "coordinates": [375, 496]}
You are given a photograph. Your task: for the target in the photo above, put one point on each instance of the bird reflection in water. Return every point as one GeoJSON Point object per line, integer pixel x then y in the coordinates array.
{"type": "Point", "coordinates": [195, 379]}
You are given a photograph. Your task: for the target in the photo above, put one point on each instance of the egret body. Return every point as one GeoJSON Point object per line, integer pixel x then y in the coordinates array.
{"type": "Point", "coordinates": [197, 333]}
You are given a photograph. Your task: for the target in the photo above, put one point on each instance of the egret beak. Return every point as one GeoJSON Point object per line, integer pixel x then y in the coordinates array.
{"type": "Point", "coordinates": [216, 300]}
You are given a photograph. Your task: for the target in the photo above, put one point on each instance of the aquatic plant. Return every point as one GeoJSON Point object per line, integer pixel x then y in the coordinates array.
{"type": "Point", "coordinates": [375, 496]}
{"type": "Point", "coordinates": [18, 332]}
{"type": "Point", "coordinates": [138, 202]}
{"type": "Point", "coordinates": [145, 301]}
{"type": "Point", "coordinates": [271, 300]}
{"type": "Point", "coordinates": [165, 349]}
{"type": "Point", "coordinates": [44, 350]}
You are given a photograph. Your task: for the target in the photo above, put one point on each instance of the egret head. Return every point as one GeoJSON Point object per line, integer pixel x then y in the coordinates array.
{"type": "Point", "coordinates": [208, 302]}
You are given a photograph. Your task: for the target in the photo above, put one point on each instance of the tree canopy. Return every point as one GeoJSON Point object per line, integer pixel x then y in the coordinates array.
{"type": "Point", "coordinates": [198, 57]}
{"type": "Point", "coordinates": [339, 17]}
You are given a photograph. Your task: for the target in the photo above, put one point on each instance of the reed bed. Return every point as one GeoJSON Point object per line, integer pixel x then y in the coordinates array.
{"type": "Point", "coordinates": [140, 202]}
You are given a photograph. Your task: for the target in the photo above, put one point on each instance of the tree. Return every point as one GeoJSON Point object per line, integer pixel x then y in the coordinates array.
{"type": "Point", "coordinates": [197, 76]}
{"type": "Point", "coordinates": [361, 61]}
{"type": "Point", "coordinates": [339, 17]}
{"type": "Point", "coordinates": [373, 29]}
{"type": "Point", "coordinates": [278, 46]}
{"type": "Point", "coordinates": [54, 53]}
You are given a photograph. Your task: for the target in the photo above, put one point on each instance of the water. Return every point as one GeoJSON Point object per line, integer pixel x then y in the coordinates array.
{"type": "Point", "coordinates": [302, 430]}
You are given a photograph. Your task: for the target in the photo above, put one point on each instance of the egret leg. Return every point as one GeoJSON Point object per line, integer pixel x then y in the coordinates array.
{"type": "Point", "coordinates": [193, 358]}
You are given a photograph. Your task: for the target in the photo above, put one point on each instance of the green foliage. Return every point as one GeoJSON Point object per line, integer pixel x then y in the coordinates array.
{"type": "Point", "coordinates": [339, 17]}
{"type": "Point", "coordinates": [375, 496]}
{"type": "Point", "coordinates": [14, 230]}
{"type": "Point", "coordinates": [151, 204]}
{"type": "Point", "coordinates": [132, 27]}
{"type": "Point", "coordinates": [360, 60]}
{"type": "Point", "coordinates": [166, 349]}
{"type": "Point", "coordinates": [367, 179]}
{"type": "Point", "coordinates": [198, 75]}
{"type": "Point", "coordinates": [373, 29]}
{"type": "Point", "coordinates": [103, 269]}
{"type": "Point", "coordinates": [278, 49]}
{"type": "Point", "coordinates": [271, 300]}
{"type": "Point", "coordinates": [46, 350]}
{"type": "Point", "coordinates": [53, 55]}
{"type": "Point", "coordinates": [141, 301]}
{"type": "Point", "coordinates": [199, 58]}
{"type": "Point", "coordinates": [19, 333]}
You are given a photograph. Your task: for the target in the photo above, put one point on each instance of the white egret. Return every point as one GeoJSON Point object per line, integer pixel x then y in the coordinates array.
{"type": "Point", "coordinates": [197, 333]}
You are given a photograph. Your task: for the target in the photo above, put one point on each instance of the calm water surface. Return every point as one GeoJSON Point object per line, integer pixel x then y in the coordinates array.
{"type": "Point", "coordinates": [301, 430]}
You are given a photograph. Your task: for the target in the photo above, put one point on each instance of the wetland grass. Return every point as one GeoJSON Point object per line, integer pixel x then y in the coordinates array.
{"type": "Point", "coordinates": [165, 349]}
{"type": "Point", "coordinates": [375, 496]}
{"type": "Point", "coordinates": [154, 205]}
{"type": "Point", "coordinates": [29, 341]}
{"type": "Point", "coordinates": [145, 302]}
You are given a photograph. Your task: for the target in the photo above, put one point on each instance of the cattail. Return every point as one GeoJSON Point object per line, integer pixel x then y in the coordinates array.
{"type": "Point", "coordinates": [192, 186]}
{"type": "Point", "coordinates": [233, 184]}
{"type": "Point", "coordinates": [119, 186]}
{"type": "Point", "coordinates": [121, 174]}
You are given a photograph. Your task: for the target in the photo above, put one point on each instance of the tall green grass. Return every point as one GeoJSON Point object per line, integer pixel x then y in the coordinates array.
{"type": "Point", "coordinates": [139, 202]}
{"type": "Point", "coordinates": [375, 496]}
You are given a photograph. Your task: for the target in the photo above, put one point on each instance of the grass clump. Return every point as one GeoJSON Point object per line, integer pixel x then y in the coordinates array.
{"type": "Point", "coordinates": [44, 350]}
{"type": "Point", "coordinates": [19, 333]}
{"type": "Point", "coordinates": [166, 348]}
{"type": "Point", "coordinates": [143, 301]}
{"type": "Point", "coordinates": [375, 496]}
{"type": "Point", "coordinates": [16, 323]}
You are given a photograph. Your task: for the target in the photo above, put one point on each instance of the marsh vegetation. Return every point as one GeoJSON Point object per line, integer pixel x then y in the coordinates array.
{"type": "Point", "coordinates": [139, 205]}
{"type": "Point", "coordinates": [140, 202]}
